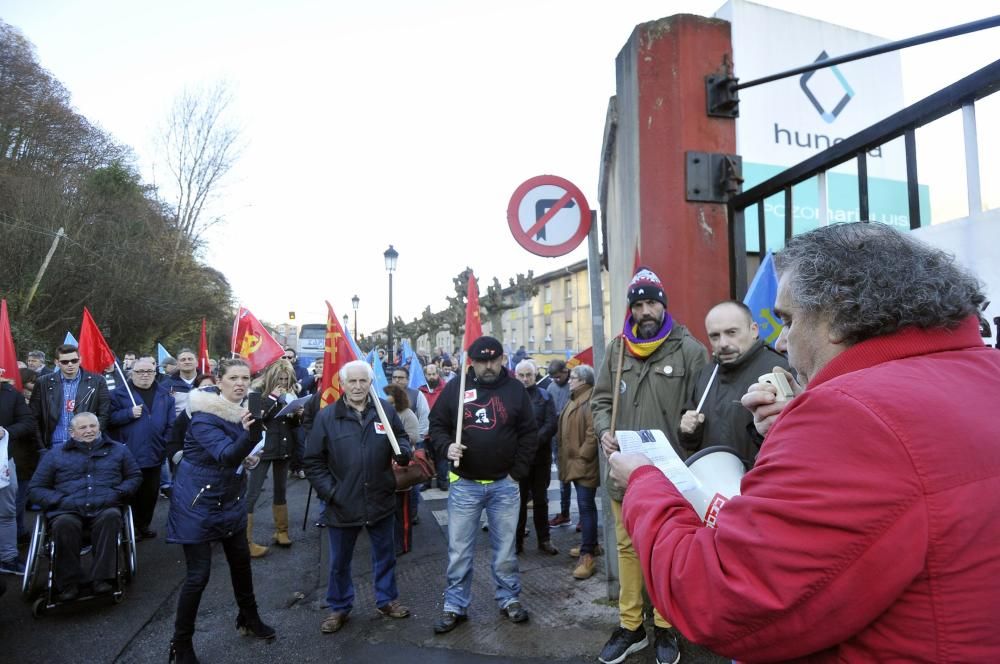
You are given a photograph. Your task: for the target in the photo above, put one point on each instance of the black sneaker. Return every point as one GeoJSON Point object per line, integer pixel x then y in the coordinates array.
{"type": "Point", "coordinates": [665, 643]}
{"type": "Point", "coordinates": [515, 612]}
{"type": "Point", "coordinates": [623, 642]}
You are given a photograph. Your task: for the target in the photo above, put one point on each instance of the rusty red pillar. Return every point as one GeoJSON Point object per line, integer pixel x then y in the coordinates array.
{"type": "Point", "coordinates": [659, 114]}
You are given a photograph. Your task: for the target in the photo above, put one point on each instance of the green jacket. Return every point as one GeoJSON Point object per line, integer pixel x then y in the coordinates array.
{"type": "Point", "coordinates": [655, 390]}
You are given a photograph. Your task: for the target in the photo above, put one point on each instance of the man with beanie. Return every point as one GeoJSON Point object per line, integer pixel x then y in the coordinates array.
{"type": "Point", "coordinates": [657, 365]}
{"type": "Point", "coordinates": [499, 440]}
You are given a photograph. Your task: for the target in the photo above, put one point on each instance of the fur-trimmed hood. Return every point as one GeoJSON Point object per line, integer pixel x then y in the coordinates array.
{"type": "Point", "coordinates": [213, 403]}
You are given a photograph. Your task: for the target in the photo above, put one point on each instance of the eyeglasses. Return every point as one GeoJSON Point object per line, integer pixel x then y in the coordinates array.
{"type": "Point", "coordinates": [289, 357]}
{"type": "Point", "coordinates": [147, 372]}
{"type": "Point", "coordinates": [76, 361]}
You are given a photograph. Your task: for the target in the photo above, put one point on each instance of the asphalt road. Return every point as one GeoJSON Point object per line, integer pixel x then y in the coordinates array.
{"type": "Point", "coordinates": [570, 619]}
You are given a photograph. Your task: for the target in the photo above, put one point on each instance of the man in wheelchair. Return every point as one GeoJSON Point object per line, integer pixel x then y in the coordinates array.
{"type": "Point", "coordinates": [80, 485]}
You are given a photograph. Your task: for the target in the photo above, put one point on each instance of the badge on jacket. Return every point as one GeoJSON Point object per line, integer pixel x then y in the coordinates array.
{"type": "Point", "coordinates": [470, 395]}
{"type": "Point", "coordinates": [379, 428]}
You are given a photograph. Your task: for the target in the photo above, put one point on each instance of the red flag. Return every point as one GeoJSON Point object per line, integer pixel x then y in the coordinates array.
{"type": "Point", "coordinates": [473, 324]}
{"type": "Point", "coordinates": [203, 350]}
{"type": "Point", "coordinates": [8, 356]}
{"type": "Point", "coordinates": [95, 353]}
{"type": "Point", "coordinates": [585, 356]}
{"type": "Point", "coordinates": [337, 352]}
{"type": "Point", "coordinates": [253, 342]}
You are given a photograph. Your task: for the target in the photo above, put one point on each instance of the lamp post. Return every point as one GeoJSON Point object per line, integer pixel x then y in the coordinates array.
{"type": "Point", "coordinates": [355, 301]}
{"type": "Point", "coordinates": [390, 266]}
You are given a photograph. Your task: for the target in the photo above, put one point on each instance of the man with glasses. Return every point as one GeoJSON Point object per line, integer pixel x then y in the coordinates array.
{"type": "Point", "coordinates": [61, 394]}
{"type": "Point", "coordinates": [144, 426]}
{"type": "Point", "coordinates": [301, 373]}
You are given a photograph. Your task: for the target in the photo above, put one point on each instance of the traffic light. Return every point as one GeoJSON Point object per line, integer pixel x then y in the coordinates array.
{"type": "Point", "coordinates": [291, 315]}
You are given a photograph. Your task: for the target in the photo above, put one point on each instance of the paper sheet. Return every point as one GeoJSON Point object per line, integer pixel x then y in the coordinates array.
{"type": "Point", "coordinates": [654, 444]}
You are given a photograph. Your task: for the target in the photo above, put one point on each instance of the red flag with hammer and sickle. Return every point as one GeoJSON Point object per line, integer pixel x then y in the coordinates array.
{"type": "Point", "coordinates": [337, 352]}
{"type": "Point", "coordinates": [253, 342]}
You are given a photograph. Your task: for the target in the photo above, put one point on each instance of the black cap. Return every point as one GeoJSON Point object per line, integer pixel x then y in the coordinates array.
{"type": "Point", "coordinates": [485, 348]}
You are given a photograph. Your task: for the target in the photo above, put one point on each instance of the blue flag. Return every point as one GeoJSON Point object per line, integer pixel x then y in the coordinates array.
{"type": "Point", "coordinates": [380, 380]}
{"type": "Point", "coordinates": [406, 353]}
{"type": "Point", "coordinates": [70, 339]}
{"type": "Point", "coordinates": [161, 354]}
{"type": "Point", "coordinates": [417, 379]}
{"type": "Point", "coordinates": [354, 346]}
{"type": "Point", "coordinates": [760, 298]}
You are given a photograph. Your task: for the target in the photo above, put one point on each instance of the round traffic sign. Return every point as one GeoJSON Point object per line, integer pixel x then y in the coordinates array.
{"type": "Point", "coordinates": [548, 215]}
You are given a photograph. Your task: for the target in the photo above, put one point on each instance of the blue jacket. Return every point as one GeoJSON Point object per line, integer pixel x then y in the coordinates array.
{"type": "Point", "coordinates": [146, 436]}
{"type": "Point", "coordinates": [207, 499]}
{"type": "Point", "coordinates": [349, 463]}
{"type": "Point", "coordinates": [72, 479]}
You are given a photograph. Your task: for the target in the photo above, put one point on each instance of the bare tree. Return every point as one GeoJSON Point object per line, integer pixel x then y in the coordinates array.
{"type": "Point", "coordinates": [200, 144]}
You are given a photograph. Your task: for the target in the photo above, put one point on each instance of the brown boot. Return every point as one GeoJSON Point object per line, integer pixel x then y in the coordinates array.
{"type": "Point", "coordinates": [585, 569]}
{"type": "Point", "coordinates": [256, 550]}
{"type": "Point", "coordinates": [280, 536]}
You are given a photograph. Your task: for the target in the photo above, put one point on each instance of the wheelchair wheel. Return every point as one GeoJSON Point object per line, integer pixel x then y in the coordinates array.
{"type": "Point", "coordinates": [38, 607]}
{"type": "Point", "coordinates": [129, 544]}
{"type": "Point", "coordinates": [33, 573]}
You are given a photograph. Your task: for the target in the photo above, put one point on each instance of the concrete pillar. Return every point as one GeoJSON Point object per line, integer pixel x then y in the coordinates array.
{"type": "Point", "coordinates": [658, 114]}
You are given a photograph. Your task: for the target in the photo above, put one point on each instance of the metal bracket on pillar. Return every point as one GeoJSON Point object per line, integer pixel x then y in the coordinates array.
{"type": "Point", "coordinates": [722, 97]}
{"type": "Point", "coordinates": [711, 177]}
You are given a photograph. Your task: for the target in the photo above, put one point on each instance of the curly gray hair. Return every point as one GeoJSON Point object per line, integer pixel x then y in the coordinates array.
{"type": "Point", "coordinates": [869, 280]}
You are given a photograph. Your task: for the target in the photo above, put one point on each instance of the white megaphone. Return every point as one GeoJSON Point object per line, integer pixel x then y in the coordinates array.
{"type": "Point", "coordinates": [719, 471]}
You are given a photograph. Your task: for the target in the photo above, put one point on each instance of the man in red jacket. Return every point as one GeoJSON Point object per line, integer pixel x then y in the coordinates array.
{"type": "Point", "coordinates": [867, 531]}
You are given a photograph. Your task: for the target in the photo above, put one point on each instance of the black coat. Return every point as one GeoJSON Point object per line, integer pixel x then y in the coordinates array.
{"type": "Point", "coordinates": [349, 463]}
{"type": "Point", "coordinates": [727, 422]}
{"type": "Point", "coordinates": [92, 396]}
{"type": "Point", "coordinates": [498, 430]}
{"type": "Point", "coordinates": [15, 417]}
{"type": "Point", "coordinates": [547, 422]}
{"type": "Point", "coordinates": [279, 435]}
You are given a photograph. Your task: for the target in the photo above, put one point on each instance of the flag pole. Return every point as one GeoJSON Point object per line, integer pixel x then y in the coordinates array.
{"type": "Point", "coordinates": [125, 382]}
{"type": "Point", "coordinates": [461, 405]}
{"type": "Point", "coordinates": [707, 388]}
{"type": "Point", "coordinates": [385, 420]}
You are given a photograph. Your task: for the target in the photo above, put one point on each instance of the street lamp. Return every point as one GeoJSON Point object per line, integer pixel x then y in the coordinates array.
{"type": "Point", "coordinates": [355, 302]}
{"type": "Point", "coordinates": [390, 266]}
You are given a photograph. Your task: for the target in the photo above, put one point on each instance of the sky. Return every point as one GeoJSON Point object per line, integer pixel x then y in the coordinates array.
{"type": "Point", "coordinates": [407, 123]}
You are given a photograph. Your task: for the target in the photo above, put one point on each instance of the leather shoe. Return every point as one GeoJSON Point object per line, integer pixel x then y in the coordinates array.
{"type": "Point", "coordinates": [69, 593]}
{"type": "Point", "coordinates": [449, 621]}
{"type": "Point", "coordinates": [546, 547]}
{"type": "Point", "coordinates": [103, 587]}
{"type": "Point", "coordinates": [333, 622]}
{"type": "Point", "coordinates": [147, 533]}
{"type": "Point", "coordinates": [394, 609]}
{"type": "Point", "coordinates": [515, 612]}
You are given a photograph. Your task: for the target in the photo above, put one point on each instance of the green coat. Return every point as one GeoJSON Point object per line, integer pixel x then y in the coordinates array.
{"type": "Point", "coordinates": [655, 390]}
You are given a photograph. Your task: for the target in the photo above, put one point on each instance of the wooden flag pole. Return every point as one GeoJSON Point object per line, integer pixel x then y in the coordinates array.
{"type": "Point", "coordinates": [461, 406]}
{"type": "Point", "coordinates": [385, 420]}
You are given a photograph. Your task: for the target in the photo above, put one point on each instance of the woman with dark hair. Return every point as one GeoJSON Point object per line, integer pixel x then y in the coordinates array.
{"type": "Point", "coordinates": [397, 396]}
{"type": "Point", "coordinates": [277, 388]}
{"type": "Point", "coordinates": [207, 504]}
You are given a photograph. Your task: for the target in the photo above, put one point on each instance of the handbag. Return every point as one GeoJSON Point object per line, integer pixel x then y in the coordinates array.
{"type": "Point", "coordinates": [418, 471]}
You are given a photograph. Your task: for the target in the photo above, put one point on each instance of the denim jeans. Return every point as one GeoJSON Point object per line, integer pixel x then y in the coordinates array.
{"type": "Point", "coordinates": [340, 590]}
{"type": "Point", "coordinates": [587, 504]}
{"type": "Point", "coordinates": [8, 518]}
{"type": "Point", "coordinates": [466, 501]}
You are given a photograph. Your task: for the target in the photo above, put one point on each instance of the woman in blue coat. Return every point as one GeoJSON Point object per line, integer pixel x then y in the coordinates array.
{"type": "Point", "coordinates": [207, 503]}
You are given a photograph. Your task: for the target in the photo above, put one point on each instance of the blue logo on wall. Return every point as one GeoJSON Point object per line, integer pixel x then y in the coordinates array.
{"type": "Point", "coordinates": [828, 116]}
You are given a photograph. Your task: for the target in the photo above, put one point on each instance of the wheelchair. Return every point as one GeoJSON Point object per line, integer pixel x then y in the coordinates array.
{"type": "Point", "coordinates": [38, 586]}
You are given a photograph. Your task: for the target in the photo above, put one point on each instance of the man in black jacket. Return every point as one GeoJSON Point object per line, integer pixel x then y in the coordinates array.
{"type": "Point", "coordinates": [536, 486]}
{"type": "Point", "coordinates": [61, 394]}
{"type": "Point", "coordinates": [497, 448]}
{"type": "Point", "coordinates": [348, 461]}
{"type": "Point", "coordinates": [740, 357]}
{"type": "Point", "coordinates": [18, 425]}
